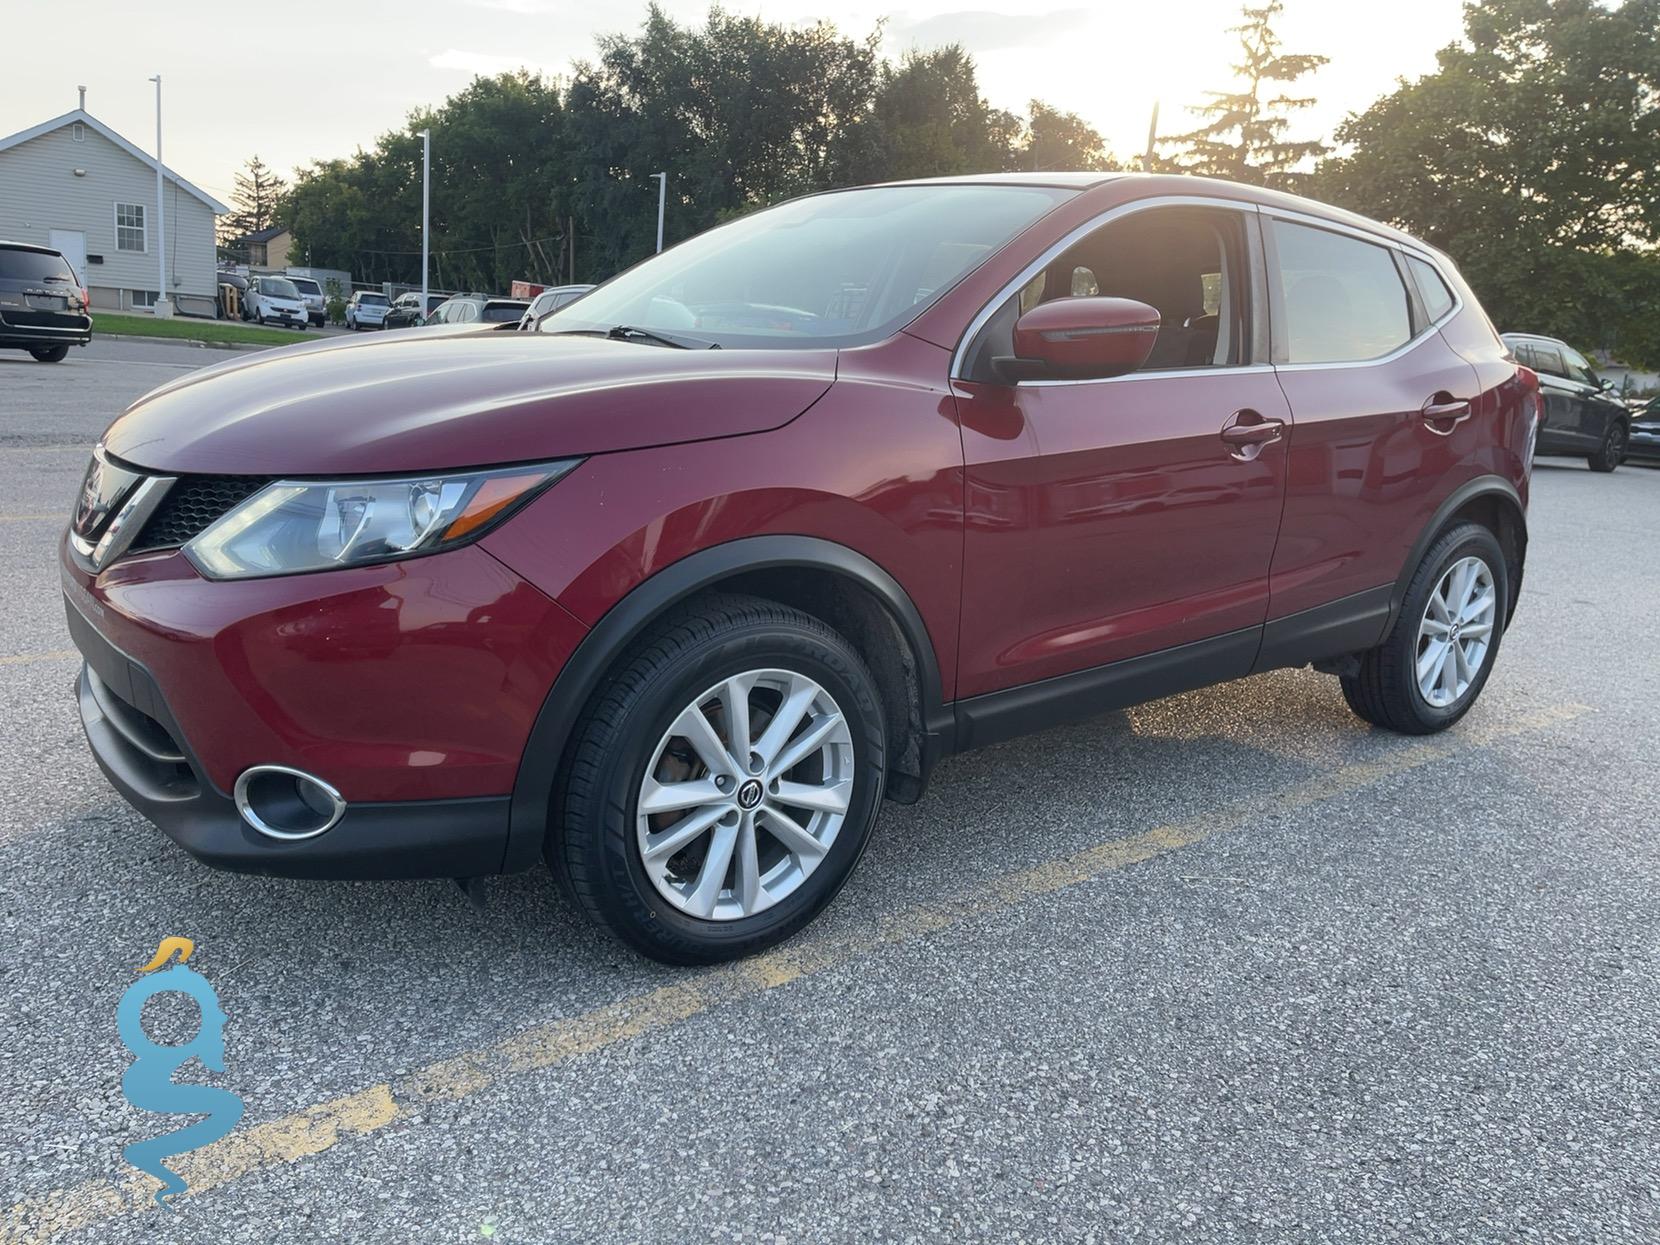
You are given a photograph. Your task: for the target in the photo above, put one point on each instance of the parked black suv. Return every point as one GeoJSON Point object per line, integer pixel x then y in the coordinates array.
{"type": "Point", "coordinates": [43, 308]}
{"type": "Point", "coordinates": [1581, 417]}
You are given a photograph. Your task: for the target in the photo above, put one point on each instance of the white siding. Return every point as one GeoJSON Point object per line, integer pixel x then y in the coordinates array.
{"type": "Point", "coordinates": [39, 192]}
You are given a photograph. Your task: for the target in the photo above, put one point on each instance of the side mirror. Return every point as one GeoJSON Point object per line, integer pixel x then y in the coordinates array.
{"type": "Point", "coordinates": [1605, 384]}
{"type": "Point", "coordinates": [1081, 339]}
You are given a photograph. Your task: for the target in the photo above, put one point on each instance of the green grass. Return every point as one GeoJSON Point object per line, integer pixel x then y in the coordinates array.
{"type": "Point", "coordinates": [194, 330]}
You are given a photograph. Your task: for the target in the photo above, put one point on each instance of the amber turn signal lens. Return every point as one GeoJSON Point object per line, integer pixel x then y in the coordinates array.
{"type": "Point", "coordinates": [493, 496]}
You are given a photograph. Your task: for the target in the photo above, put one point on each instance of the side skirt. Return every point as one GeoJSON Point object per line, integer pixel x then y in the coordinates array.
{"type": "Point", "coordinates": [996, 716]}
{"type": "Point", "coordinates": [1336, 629]}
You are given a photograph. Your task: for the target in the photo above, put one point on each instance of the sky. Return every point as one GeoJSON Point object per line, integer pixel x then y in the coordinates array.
{"type": "Point", "coordinates": [313, 79]}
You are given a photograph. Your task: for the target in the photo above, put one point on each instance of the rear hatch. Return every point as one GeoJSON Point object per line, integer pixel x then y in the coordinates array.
{"type": "Point", "coordinates": [38, 290]}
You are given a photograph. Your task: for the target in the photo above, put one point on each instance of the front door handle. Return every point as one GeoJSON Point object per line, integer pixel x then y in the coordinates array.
{"type": "Point", "coordinates": [1443, 412]}
{"type": "Point", "coordinates": [1246, 432]}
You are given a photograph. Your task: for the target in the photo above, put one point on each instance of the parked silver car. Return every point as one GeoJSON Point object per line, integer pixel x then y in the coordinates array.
{"type": "Point", "coordinates": [316, 302]}
{"type": "Point", "coordinates": [549, 301]}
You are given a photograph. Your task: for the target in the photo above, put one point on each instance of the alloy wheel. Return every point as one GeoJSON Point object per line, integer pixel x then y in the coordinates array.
{"type": "Point", "coordinates": [1456, 632]}
{"type": "Point", "coordinates": [745, 794]}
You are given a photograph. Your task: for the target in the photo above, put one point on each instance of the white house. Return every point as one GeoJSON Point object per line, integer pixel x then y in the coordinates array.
{"type": "Point", "coordinates": [75, 185]}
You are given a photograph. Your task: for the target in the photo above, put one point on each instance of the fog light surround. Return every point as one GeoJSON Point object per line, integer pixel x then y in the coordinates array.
{"type": "Point", "coordinates": [287, 804]}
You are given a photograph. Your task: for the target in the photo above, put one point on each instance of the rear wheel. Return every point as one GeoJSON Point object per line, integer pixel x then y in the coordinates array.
{"type": "Point", "coordinates": [1433, 664]}
{"type": "Point", "coordinates": [724, 785]}
{"type": "Point", "coordinates": [51, 354]}
{"type": "Point", "coordinates": [1612, 450]}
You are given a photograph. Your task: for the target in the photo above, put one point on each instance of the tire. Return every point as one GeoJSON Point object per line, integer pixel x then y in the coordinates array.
{"type": "Point", "coordinates": [596, 841]}
{"type": "Point", "coordinates": [1386, 690]}
{"type": "Point", "coordinates": [1611, 453]}
{"type": "Point", "coordinates": [51, 354]}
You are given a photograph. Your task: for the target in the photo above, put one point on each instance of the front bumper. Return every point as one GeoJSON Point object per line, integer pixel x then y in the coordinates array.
{"type": "Point", "coordinates": [1643, 444]}
{"type": "Point", "coordinates": [410, 688]}
{"type": "Point", "coordinates": [403, 839]}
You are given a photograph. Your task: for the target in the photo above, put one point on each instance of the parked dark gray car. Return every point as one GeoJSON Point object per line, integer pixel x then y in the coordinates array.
{"type": "Point", "coordinates": [1645, 432]}
{"type": "Point", "coordinates": [43, 308]}
{"type": "Point", "coordinates": [1582, 418]}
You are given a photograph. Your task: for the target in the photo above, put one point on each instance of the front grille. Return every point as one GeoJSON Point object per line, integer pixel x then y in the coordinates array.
{"type": "Point", "coordinates": [191, 505]}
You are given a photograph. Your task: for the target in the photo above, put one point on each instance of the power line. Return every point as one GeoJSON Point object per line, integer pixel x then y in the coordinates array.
{"type": "Point", "coordinates": [474, 250]}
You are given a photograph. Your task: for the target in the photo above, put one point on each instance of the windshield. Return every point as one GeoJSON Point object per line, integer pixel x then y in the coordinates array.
{"type": "Point", "coordinates": [277, 287]}
{"type": "Point", "coordinates": [830, 270]}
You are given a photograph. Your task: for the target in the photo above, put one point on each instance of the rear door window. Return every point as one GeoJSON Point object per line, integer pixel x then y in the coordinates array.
{"type": "Point", "coordinates": [1342, 298]}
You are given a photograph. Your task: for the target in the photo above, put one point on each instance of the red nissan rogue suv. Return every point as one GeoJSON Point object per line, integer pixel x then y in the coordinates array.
{"type": "Point", "coordinates": [673, 592]}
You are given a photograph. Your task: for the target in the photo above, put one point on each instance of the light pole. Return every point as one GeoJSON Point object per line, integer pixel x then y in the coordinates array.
{"type": "Point", "coordinates": [426, 212]}
{"type": "Point", "coordinates": [662, 198]}
{"type": "Point", "coordinates": [164, 305]}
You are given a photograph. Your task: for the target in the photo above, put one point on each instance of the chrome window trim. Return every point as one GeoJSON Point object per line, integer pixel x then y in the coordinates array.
{"type": "Point", "coordinates": [1388, 243]}
{"type": "Point", "coordinates": [1056, 249]}
{"type": "Point", "coordinates": [1238, 369]}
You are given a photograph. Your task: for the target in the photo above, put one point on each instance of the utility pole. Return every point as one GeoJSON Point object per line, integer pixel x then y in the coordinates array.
{"type": "Point", "coordinates": [164, 305]}
{"type": "Point", "coordinates": [426, 213]}
{"type": "Point", "coordinates": [1152, 140]}
{"type": "Point", "coordinates": [662, 199]}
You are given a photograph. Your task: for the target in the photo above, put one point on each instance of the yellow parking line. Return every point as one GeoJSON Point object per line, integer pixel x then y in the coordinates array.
{"type": "Point", "coordinates": [23, 659]}
{"type": "Point", "coordinates": [318, 1128]}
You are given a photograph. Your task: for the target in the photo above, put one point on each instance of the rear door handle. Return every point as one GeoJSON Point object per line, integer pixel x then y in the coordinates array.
{"type": "Point", "coordinates": [1246, 432]}
{"type": "Point", "coordinates": [1442, 413]}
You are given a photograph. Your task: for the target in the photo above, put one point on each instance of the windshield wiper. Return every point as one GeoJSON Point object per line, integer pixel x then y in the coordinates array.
{"type": "Point", "coordinates": [631, 333]}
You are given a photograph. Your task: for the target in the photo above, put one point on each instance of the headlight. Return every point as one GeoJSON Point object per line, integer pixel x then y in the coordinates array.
{"type": "Point", "coordinates": [293, 526]}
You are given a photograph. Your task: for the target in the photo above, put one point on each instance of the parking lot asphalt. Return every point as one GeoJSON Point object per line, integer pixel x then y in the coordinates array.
{"type": "Point", "coordinates": [1227, 967]}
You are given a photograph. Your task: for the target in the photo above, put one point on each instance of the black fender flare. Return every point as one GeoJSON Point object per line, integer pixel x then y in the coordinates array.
{"type": "Point", "coordinates": [1494, 486]}
{"type": "Point", "coordinates": [544, 752]}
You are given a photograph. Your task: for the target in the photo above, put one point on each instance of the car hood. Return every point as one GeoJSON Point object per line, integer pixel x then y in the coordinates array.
{"type": "Point", "coordinates": [458, 397]}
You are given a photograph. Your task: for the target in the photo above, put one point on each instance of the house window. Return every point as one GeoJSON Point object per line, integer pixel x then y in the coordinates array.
{"type": "Point", "coordinates": [77, 132]}
{"type": "Point", "coordinates": [129, 227]}
{"type": "Point", "coordinates": [144, 298]}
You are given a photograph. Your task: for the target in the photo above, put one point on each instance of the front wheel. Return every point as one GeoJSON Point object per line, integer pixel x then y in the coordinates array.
{"type": "Point", "coordinates": [724, 785]}
{"type": "Point", "coordinates": [1612, 450]}
{"type": "Point", "coordinates": [1436, 658]}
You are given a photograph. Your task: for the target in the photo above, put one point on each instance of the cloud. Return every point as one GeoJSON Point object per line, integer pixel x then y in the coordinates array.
{"type": "Point", "coordinates": [485, 63]}
{"type": "Point", "coordinates": [522, 7]}
{"type": "Point", "coordinates": [982, 30]}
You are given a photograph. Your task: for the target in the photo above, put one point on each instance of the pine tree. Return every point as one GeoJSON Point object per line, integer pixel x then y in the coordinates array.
{"type": "Point", "coordinates": [1244, 136]}
{"type": "Point", "coordinates": [254, 203]}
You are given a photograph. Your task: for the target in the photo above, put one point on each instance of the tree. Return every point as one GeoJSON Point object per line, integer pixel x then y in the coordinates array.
{"type": "Point", "coordinates": [739, 111]}
{"type": "Point", "coordinates": [1529, 155]}
{"type": "Point", "coordinates": [928, 120]}
{"type": "Point", "coordinates": [1245, 136]}
{"type": "Point", "coordinates": [255, 202]}
{"type": "Point", "coordinates": [1059, 141]}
